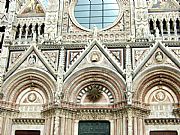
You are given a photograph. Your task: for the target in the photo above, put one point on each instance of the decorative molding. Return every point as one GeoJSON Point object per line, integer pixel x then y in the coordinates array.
{"type": "Point", "coordinates": [163, 121]}
{"type": "Point", "coordinates": [27, 121]}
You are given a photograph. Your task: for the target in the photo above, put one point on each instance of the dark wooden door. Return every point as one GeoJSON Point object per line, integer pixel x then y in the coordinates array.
{"type": "Point", "coordinates": [94, 128]}
{"type": "Point", "coordinates": [27, 132]}
{"type": "Point", "coordinates": [163, 133]}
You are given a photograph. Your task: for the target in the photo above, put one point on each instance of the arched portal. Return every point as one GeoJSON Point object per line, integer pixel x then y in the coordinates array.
{"type": "Point", "coordinates": [109, 84]}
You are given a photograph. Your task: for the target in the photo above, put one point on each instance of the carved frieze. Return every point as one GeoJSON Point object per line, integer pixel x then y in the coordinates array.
{"type": "Point", "coordinates": [28, 121]}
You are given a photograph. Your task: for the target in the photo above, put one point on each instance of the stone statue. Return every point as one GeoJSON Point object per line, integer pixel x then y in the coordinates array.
{"type": "Point", "coordinates": [129, 97]}
{"type": "Point", "coordinates": [95, 31]}
{"type": "Point", "coordinates": [32, 60]}
{"type": "Point", "coordinates": [157, 32]}
{"type": "Point", "coordinates": [159, 56]}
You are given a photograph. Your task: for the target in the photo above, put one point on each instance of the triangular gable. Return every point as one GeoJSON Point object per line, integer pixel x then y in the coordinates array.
{"type": "Point", "coordinates": [104, 51]}
{"type": "Point", "coordinates": [4, 19]}
{"type": "Point", "coordinates": [33, 7]}
{"type": "Point", "coordinates": [34, 49]}
{"type": "Point", "coordinates": [164, 4]}
{"type": "Point", "coordinates": [164, 49]}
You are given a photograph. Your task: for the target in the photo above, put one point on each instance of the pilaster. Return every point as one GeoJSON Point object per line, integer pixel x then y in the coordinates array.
{"type": "Point", "coordinates": [59, 94]}
{"type": "Point", "coordinates": [128, 76]}
{"type": "Point", "coordinates": [141, 20]}
{"type": "Point", "coordinates": [130, 121]}
{"type": "Point", "coordinates": [51, 19]}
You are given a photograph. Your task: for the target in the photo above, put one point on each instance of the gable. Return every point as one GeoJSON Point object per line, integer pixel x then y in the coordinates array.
{"type": "Point", "coordinates": [158, 54]}
{"type": "Point", "coordinates": [163, 4]}
{"type": "Point", "coordinates": [95, 55]}
{"type": "Point", "coordinates": [30, 58]}
{"type": "Point", "coordinates": [32, 8]}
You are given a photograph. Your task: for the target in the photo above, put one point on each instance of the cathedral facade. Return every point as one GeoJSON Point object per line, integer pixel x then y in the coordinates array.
{"type": "Point", "coordinates": [90, 67]}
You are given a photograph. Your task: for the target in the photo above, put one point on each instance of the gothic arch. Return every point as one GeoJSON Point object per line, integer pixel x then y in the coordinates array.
{"type": "Point", "coordinates": [114, 84]}
{"type": "Point", "coordinates": [157, 76]}
{"type": "Point", "coordinates": [29, 78]}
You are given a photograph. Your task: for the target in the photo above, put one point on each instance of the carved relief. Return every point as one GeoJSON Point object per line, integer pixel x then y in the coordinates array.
{"type": "Point", "coordinates": [32, 97]}
{"type": "Point", "coordinates": [118, 54]}
{"type": "Point", "coordinates": [51, 25]}
{"type": "Point", "coordinates": [161, 4]}
{"type": "Point", "coordinates": [72, 55]}
{"type": "Point", "coordinates": [159, 56]}
{"type": "Point", "coordinates": [52, 57]}
{"type": "Point", "coordinates": [95, 56]}
{"type": "Point", "coordinates": [160, 96]}
{"type": "Point", "coordinates": [32, 59]}
{"type": "Point", "coordinates": [139, 55]}
{"type": "Point", "coordinates": [177, 52]}
{"type": "Point", "coordinates": [33, 7]}
{"type": "Point", "coordinates": [14, 57]}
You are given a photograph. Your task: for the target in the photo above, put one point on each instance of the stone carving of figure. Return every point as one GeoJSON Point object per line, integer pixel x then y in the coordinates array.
{"type": "Point", "coordinates": [59, 96]}
{"type": "Point", "coordinates": [32, 4]}
{"type": "Point", "coordinates": [157, 32]}
{"type": "Point", "coordinates": [159, 56]}
{"type": "Point", "coordinates": [94, 57]}
{"type": "Point", "coordinates": [95, 31]}
{"type": "Point", "coordinates": [129, 84]}
{"type": "Point", "coordinates": [32, 60]}
{"type": "Point", "coordinates": [129, 97]}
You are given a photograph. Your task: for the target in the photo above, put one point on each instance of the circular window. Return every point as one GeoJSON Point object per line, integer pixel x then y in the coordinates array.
{"type": "Point", "coordinates": [96, 13]}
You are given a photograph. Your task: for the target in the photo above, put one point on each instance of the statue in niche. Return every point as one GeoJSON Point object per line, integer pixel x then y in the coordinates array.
{"type": "Point", "coordinates": [159, 56]}
{"type": "Point", "coordinates": [95, 31]}
{"type": "Point", "coordinates": [32, 59]}
{"type": "Point", "coordinates": [129, 97]}
{"type": "Point", "coordinates": [129, 84]}
{"type": "Point", "coordinates": [157, 32]}
{"type": "Point", "coordinates": [95, 57]}
{"type": "Point", "coordinates": [59, 96]}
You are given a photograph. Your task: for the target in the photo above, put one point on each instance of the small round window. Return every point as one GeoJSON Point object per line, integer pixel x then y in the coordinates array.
{"type": "Point", "coordinates": [99, 13]}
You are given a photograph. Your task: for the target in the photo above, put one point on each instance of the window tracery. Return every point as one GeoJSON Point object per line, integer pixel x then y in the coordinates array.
{"type": "Point", "coordinates": [99, 13]}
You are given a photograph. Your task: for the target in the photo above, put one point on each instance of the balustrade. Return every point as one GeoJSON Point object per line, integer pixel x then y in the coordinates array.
{"type": "Point", "coordinates": [165, 27]}
{"type": "Point", "coordinates": [27, 33]}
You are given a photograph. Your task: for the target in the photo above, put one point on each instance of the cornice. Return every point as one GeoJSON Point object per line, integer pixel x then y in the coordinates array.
{"type": "Point", "coordinates": [28, 121]}
{"type": "Point", "coordinates": [162, 121]}
{"type": "Point", "coordinates": [54, 46]}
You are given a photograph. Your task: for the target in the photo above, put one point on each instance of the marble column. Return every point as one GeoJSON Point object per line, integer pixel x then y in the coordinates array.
{"type": "Point", "coordinates": [175, 27]}
{"type": "Point", "coordinates": [20, 34]}
{"type": "Point", "coordinates": [62, 127]}
{"type": "Point", "coordinates": [161, 25]}
{"type": "Point", "coordinates": [7, 126]}
{"type": "Point", "coordinates": [56, 125]}
{"type": "Point", "coordinates": [26, 34]}
{"type": "Point", "coordinates": [168, 27]}
{"type": "Point", "coordinates": [124, 125]}
{"type": "Point", "coordinates": [135, 126]}
{"type": "Point", "coordinates": [130, 122]}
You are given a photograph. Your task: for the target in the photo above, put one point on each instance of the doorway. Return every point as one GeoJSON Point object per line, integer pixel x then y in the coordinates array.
{"type": "Point", "coordinates": [163, 133]}
{"type": "Point", "coordinates": [94, 128]}
{"type": "Point", "coordinates": [27, 132]}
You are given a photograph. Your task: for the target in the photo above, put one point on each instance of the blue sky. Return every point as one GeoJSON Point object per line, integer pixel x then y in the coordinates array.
{"type": "Point", "coordinates": [44, 2]}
